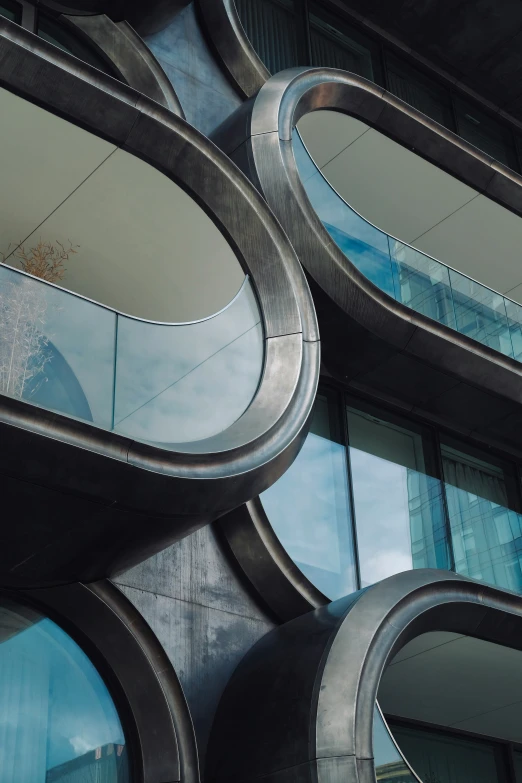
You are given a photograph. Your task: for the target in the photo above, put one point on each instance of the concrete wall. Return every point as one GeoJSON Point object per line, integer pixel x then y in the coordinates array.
{"type": "Point", "coordinates": [206, 95]}
{"type": "Point", "coordinates": [202, 613]}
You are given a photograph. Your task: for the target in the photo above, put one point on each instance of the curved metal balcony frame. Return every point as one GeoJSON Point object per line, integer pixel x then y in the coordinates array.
{"type": "Point", "coordinates": [300, 706]}
{"type": "Point", "coordinates": [132, 482]}
{"type": "Point", "coordinates": [371, 341]}
{"type": "Point", "coordinates": [141, 678]}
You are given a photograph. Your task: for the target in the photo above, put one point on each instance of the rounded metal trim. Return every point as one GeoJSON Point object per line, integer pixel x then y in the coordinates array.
{"type": "Point", "coordinates": [138, 672]}
{"type": "Point", "coordinates": [243, 460]}
{"type": "Point", "coordinates": [279, 582]}
{"type": "Point", "coordinates": [223, 26]}
{"type": "Point", "coordinates": [314, 681]}
{"type": "Point", "coordinates": [259, 137]}
{"type": "Point", "coordinates": [128, 55]}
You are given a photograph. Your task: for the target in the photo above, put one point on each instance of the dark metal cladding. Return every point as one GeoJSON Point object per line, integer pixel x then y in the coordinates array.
{"type": "Point", "coordinates": [266, 563]}
{"type": "Point", "coordinates": [107, 501]}
{"type": "Point", "coordinates": [300, 705]}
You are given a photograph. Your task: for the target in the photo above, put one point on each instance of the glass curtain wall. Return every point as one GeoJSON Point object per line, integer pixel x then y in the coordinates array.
{"type": "Point", "coordinates": [373, 494]}
{"type": "Point", "coordinates": [11, 10]}
{"type": "Point", "coordinates": [309, 506]}
{"type": "Point", "coordinates": [398, 500]}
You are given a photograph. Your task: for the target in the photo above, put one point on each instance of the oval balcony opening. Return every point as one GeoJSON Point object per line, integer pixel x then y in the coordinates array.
{"type": "Point", "coordinates": [121, 302]}
{"type": "Point", "coordinates": [423, 237]}
{"type": "Point", "coordinates": [452, 705]}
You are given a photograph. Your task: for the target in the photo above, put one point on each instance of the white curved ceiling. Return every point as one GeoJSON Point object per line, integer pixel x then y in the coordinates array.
{"type": "Point", "coordinates": [456, 681]}
{"type": "Point", "coordinates": [417, 202]}
{"type": "Point", "coordinates": [145, 247]}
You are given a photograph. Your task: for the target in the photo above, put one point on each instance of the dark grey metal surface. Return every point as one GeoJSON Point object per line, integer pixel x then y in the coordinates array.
{"type": "Point", "coordinates": [281, 585]}
{"type": "Point", "coordinates": [314, 680]}
{"type": "Point", "coordinates": [370, 341]}
{"type": "Point", "coordinates": [142, 681]}
{"type": "Point", "coordinates": [128, 55]}
{"type": "Point", "coordinates": [224, 29]}
{"type": "Point", "coordinates": [105, 483]}
{"type": "Point", "coordinates": [205, 615]}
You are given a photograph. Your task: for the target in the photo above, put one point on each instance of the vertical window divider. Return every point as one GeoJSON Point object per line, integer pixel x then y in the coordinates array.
{"type": "Point", "coordinates": [440, 470]}
{"type": "Point", "coordinates": [29, 17]}
{"type": "Point", "coordinates": [343, 418]}
{"type": "Point", "coordinates": [303, 32]}
{"type": "Point", "coordinates": [509, 762]}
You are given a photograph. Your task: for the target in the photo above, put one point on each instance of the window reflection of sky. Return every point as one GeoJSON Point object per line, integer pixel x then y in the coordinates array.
{"type": "Point", "coordinates": [309, 510]}
{"type": "Point", "coordinates": [55, 706]}
{"type": "Point", "coordinates": [382, 514]}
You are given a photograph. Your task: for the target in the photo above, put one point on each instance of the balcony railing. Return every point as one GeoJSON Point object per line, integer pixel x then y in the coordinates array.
{"type": "Point", "coordinates": [161, 383]}
{"type": "Point", "coordinates": [411, 277]}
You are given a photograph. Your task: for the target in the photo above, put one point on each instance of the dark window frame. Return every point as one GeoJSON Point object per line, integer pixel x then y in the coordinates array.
{"type": "Point", "coordinates": [341, 397]}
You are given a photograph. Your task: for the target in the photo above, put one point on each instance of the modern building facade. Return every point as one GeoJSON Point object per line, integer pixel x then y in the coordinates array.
{"type": "Point", "coordinates": [260, 407]}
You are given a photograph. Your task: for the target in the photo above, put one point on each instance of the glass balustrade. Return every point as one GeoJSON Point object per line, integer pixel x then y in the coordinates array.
{"type": "Point", "coordinates": [390, 765]}
{"type": "Point", "coordinates": [411, 277]}
{"type": "Point", "coordinates": [162, 383]}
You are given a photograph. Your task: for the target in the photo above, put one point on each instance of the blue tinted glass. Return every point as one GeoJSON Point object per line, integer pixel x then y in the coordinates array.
{"type": "Point", "coordinates": [486, 531]}
{"type": "Point", "coordinates": [57, 719]}
{"type": "Point", "coordinates": [390, 767]}
{"type": "Point", "coordinates": [309, 510]}
{"type": "Point", "coordinates": [416, 280]}
{"type": "Point", "coordinates": [162, 383]}
{"type": "Point", "coordinates": [398, 505]}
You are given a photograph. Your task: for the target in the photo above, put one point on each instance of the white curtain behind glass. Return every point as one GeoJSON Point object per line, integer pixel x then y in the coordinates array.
{"type": "Point", "coordinates": [485, 532]}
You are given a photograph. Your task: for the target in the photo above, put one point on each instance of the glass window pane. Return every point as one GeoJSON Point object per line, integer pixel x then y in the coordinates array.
{"type": "Point", "coordinates": [58, 723]}
{"type": "Point", "coordinates": [419, 91]}
{"type": "Point", "coordinates": [486, 529]}
{"type": "Point", "coordinates": [486, 133]}
{"type": "Point", "coordinates": [442, 758]}
{"type": "Point", "coordinates": [11, 11]}
{"type": "Point", "coordinates": [309, 507]}
{"type": "Point", "coordinates": [335, 44]}
{"type": "Point", "coordinates": [398, 502]}
{"type": "Point", "coordinates": [53, 32]}
{"type": "Point", "coordinates": [271, 28]}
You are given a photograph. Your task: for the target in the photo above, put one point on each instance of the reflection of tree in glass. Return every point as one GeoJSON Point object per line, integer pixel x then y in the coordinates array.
{"type": "Point", "coordinates": [23, 306]}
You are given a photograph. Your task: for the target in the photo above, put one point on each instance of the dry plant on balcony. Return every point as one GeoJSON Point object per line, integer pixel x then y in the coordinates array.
{"type": "Point", "coordinates": [24, 345]}
{"type": "Point", "coordinates": [45, 260]}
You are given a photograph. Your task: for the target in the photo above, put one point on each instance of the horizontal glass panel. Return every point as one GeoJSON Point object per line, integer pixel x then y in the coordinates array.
{"type": "Point", "coordinates": [161, 383]}
{"type": "Point", "coordinates": [58, 723]}
{"type": "Point", "coordinates": [418, 281]}
{"type": "Point", "coordinates": [309, 508]}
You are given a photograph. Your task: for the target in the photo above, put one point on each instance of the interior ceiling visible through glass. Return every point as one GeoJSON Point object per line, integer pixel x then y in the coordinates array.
{"type": "Point", "coordinates": [452, 703]}
{"type": "Point", "coordinates": [415, 201]}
